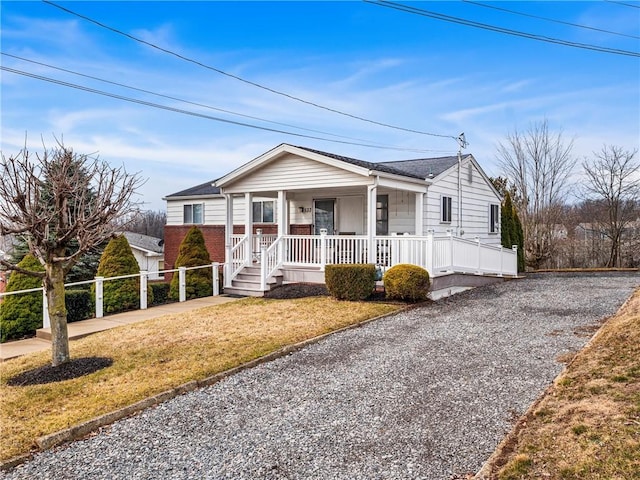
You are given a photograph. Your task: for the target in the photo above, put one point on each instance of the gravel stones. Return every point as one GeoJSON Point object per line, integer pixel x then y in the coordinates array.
{"type": "Point", "coordinates": [427, 393]}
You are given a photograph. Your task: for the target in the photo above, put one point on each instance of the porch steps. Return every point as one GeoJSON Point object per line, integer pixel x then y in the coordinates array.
{"type": "Point", "coordinates": [247, 283]}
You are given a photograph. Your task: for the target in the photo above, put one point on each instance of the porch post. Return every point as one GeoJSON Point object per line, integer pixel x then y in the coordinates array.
{"type": "Point", "coordinates": [420, 213]}
{"type": "Point", "coordinates": [248, 226]}
{"type": "Point", "coordinates": [227, 268]}
{"type": "Point", "coordinates": [372, 194]}
{"type": "Point", "coordinates": [283, 213]}
{"type": "Point", "coordinates": [283, 221]}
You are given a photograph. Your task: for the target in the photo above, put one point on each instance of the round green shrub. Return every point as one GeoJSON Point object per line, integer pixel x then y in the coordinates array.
{"type": "Point", "coordinates": [406, 282]}
{"type": "Point", "coordinates": [21, 314]}
{"type": "Point", "coordinates": [193, 253]}
{"type": "Point", "coordinates": [350, 281]}
{"type": "Point", "coordinates": [122, 294]}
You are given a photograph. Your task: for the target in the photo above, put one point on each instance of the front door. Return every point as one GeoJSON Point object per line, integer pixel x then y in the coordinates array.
{"type": "Point", "coordinates": [324, 215]}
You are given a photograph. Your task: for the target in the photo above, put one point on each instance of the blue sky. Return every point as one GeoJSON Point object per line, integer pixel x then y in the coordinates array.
{"type": "Point", "coordinates": [367, 60]}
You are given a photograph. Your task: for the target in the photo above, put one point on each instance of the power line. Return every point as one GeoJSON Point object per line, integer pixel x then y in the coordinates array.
{"type": "Point", "coordinates": [179, 99]}
{"type": "Point", "coordinates": [236, 77]}
{"type": "Point", "coordinates": [484, 26]}
{"type": "Point", "coordinates": [196, 114]}
{"type": "Point", "coordinates": [549, 19]}
{"type": "Point", "coordinates": [623, 3]}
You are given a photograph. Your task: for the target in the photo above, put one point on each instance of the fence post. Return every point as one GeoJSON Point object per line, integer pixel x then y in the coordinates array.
{"type": "Point", "coordinates": [515, 249]}
{"type": "Point", "coordinates": [323, 248]}
{"type": "Point", "coordinates": [46, 321]}
{"type": "Point", "coordinates": [479, 270]}
{"type": "Point", "coordinates": [227, 268]}
{"type": "Point", "coordinates": [143, 289]}
{"type": "Point", "coordinates": [451, 255]}
{"type": "Point", "coordinates": [263, 268]}
{"type": "Point", "coordinates": [429, 254]}
{"type": "Point", "coordinates": [258, 249]}
{"type": "Point", "coordinates": [216, 279]}
{"type": "Point", "coordinates": [182, 282]}
{"type": "Point", "coordinates": [99, 297]}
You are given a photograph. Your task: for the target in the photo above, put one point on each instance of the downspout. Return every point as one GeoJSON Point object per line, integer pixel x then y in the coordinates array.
{"type": "Point", "coordinates": [372, 191]}
{"type": "Point", "coordinates": [459, 193]}
{"type": "Point", "coordinates": [462, 142]}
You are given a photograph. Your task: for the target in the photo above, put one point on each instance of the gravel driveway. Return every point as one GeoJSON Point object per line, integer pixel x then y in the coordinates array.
{"type": "Point", "coordinates": [427, 393]}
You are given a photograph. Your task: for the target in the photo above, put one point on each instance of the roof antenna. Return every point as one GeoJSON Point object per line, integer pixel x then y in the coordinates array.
{"type": "Point", "coordinates": [462, 141]}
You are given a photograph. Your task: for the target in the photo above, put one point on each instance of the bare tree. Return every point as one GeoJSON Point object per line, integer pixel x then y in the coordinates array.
{"type": "Point", "coordinates": [60, 198]}
{"type": "Point", "coordinates": [146, 222]}
{"type": "Point", "coordinates": [538, 164]}
{"type": "Point", "coordinates": [614, 182]}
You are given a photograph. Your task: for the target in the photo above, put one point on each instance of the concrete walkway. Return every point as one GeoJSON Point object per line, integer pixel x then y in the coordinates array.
{"type": "Point", "coordinates": [81, 329]}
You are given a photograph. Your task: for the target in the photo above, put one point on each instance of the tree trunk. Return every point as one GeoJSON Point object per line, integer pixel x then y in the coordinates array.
{"type": "Point", "coordinates": [54, 288]}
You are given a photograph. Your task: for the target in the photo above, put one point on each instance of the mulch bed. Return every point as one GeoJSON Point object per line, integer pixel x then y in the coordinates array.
{"type": "Point", "coordinates": [301, 290]}
{"type": "Point", "coordinates": [74, 368]}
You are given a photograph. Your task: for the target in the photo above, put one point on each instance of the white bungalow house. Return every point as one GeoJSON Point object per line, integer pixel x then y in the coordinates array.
{"type": "Point", "coordinates": [287, 213]}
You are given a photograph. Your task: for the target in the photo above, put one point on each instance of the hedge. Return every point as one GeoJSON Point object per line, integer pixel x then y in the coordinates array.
{"type": "Point", "coordinates": [406, 282]}
{"type": "Point", "coordinates": [350, 282]}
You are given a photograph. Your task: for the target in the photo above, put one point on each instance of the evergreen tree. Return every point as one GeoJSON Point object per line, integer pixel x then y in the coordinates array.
{"type": "Point", "coordinates": [117, 260]}
{"type": "Point", "coordinates": [518, 237]}
{"type": "Point", "coordinates": [21, 314]}
{"type": "Point", "coordinates": [506, 222]}
{"type": "Point", "coordinates": [193, 253]}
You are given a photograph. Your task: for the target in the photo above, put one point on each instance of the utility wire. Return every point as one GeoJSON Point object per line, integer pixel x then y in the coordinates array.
{"type": "Point", "coordinates": [484, 26]}
{"type": "Point", "coordinates": [196, 114]}
{"type": "Point", "coordinates": [236, 77]}
{"type": "Point", "coordinates": [623, 3]}
{"type": "Point", "coordinates": [179, 99]}
{"type": "Point", "coordinates": [549, 19]}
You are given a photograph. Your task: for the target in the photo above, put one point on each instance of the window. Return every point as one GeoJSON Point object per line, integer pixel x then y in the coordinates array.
{"type": "Point", "coordinates": [263, 212]}
{"type": "Point", "coordinates": [494, 218]}
{"type": "Point", "coordinates": [382, 215]}
{"type": "Point", "coordinates": [193, 213]}
{"type": "Point", "coordinates": [446, 210]}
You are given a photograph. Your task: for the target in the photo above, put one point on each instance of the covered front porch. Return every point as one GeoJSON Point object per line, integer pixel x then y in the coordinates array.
{"type": "Point", "coordinates": [257, 262]}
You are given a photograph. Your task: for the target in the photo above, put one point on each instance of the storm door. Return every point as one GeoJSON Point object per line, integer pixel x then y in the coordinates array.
{"type": "Point", "coordinates": [324, 215]}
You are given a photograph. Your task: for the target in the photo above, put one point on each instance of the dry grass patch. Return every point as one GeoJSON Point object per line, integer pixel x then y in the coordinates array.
{"type": "Point", "coordinates": [588, 424]}
{"type": "Point", "coordinates": [157, 355]}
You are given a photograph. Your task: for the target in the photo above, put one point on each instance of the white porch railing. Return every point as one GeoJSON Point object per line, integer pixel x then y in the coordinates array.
{"type": "Point", "coordinates": [144, 275]}
{"type": "Point", "coordinates": [438, 255]}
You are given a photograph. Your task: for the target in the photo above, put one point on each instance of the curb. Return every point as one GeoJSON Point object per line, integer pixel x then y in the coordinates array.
{"type": "Point", "coordinates": [81, 430]}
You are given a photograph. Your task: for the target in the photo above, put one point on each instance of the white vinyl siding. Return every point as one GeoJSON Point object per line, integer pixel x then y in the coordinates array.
{"type": "Point", "coordinates": [477, 194]}
{"type": "Point", "coordinates": [291, 172]}
{"type": "Point", "coordinates": [214, 210]}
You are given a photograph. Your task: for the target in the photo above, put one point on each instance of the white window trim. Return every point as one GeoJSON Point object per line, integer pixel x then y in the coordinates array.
{"type": "Point", "coordinates": [262, 202]}
{"type": "Point", "coordinates": [191, 205]}
{"type": "Point", "coordinates": [442, 220]}
{"type": "Point", "coordinates": [495, 228]}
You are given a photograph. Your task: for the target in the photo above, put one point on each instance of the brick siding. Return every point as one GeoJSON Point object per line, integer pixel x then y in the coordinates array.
{"type": "Point", "coordinates": [213, 239]}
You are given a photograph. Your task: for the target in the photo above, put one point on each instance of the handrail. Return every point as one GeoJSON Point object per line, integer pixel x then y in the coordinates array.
{"type": "Point", "coordinates": [270, 261]}
{"type": "Point", "coordinates": [99, 282]}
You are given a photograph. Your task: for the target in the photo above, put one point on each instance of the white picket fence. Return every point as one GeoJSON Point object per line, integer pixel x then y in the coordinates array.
{"type": "Point", "coordinates": [144, 285]}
